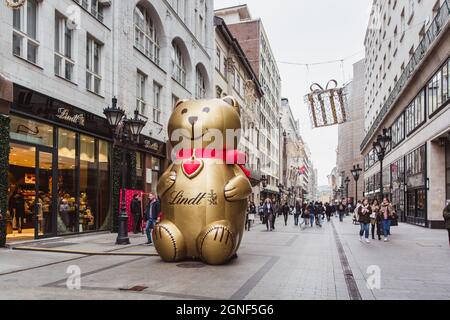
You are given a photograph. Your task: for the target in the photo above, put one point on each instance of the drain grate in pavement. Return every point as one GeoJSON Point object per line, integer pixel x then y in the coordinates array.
{"type": "Point", "coordinates": [135, 288]}
{"type": "Point", "coordinates": [189, 265]}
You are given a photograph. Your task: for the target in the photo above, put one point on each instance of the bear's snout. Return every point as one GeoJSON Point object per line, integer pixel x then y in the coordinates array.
{"type": "Point", "coordinates": [192, 120]}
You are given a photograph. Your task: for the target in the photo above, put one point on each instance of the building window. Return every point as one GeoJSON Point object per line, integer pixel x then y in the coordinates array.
{"type": "Point", "coordinates": [438, 89]}
{"type": "Point", "coordinates": [156, 102]}
{"type": "Point", "coordinates": [218, 56]}
{"type": "Point", "coordinates": [25, 44]}
{"type": "Point", "coordinates": [200, 87]}
{"type": "Point", "coordinates": [94, 7]}
{"type": "Point", "coordinates": [180, 7]}
{"type": "Point", "coordinates": [178, 65]}
{"type": "Point", "coordinates": [93, 65]}
{"type": "Point", "coordinates": [415, 113]}
{"type": "Point", "coordinates": [398, 130]}
{"type": "Point", "coordinates": [140, 92]}
{"type": "Point", "coordinates": [415, 162]}
{"type": "Point", "coordinates": [145, 36]}
{"type": "Point", "coordinates": [64, 63]}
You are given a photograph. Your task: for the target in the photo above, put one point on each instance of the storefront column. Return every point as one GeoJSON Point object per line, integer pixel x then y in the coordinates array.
{"type": "Point", "coordinates": [6, 98]}
{"type": "Point", "coordinates": [436, 193]}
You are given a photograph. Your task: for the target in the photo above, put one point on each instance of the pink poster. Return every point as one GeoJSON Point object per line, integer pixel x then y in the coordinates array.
{"type": "Point", "coordinates": [128, 198]}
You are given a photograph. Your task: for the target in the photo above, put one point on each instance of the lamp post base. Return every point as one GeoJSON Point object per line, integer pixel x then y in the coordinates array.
{"type": "Point", "coordinates": [122, 236]}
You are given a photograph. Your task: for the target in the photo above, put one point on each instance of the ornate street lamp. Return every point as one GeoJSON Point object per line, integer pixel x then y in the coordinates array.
{"type": "Point", "coordinates": [380, 146]}
{"type": "Point", "coordinates": [121, 126]}
{"type": "Point", "coordinates": [356, 172]}
{"type": "Point", "coordinates": [346, 181]}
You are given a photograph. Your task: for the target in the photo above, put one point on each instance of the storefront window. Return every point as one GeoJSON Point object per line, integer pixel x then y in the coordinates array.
{"type": "Point", "coordinates": [22, 192]}
{"type": "Point", "coordinates": [88, 183]}
{"type": "Point", "coordinates": [67, 182]}
{"type": "Point", "coordinates": [104, 185]}
{"type": "Point", "coordinates": [156, 163]}
{"type": "Point", "coordinates": [31, 131]}
{"type": "Point", "coordinates": [139, 171]}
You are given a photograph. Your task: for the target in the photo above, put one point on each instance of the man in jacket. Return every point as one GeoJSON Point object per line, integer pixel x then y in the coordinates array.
{"type": "Point", "coordinates": [268, 213]}
{"type": "Point", "coordinates": [297, 212]}
{"type": "Point", "coordinates": [285, 210]}
{"type": "Point", "coordinates": [151, 215]}
{"type": "Point", "coordinates": [276, 212]}
{"type": "Point", "coordinates": [446, 215]}
{"type": "Point", "coordinates": [341, 210]}
{"type": "Point", "coordinates": [136, 211]}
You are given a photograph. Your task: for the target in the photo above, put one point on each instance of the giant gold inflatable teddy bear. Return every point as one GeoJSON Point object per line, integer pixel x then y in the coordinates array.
{"type": "Point", "coordinates": [204, 191]}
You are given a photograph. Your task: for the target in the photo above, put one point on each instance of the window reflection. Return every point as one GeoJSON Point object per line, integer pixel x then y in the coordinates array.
{"type": "Point", "coordinates": [31, 131]}
{"type": "Point", "coordinates": [104, 186]}
{"type": "Point", "coordinates": [67, 199]}
{"type": "Point", "coordinates": [88, 183]}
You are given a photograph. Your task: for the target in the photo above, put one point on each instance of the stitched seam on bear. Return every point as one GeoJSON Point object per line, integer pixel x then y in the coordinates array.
{"type": "Point", "coordinates": [172, 238]}
{"type": "Point", "coordinates": [212, 229]}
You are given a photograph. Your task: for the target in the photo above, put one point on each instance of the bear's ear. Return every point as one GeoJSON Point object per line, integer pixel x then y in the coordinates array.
{"type": "Point", "coordinates": [232, 102]}
{"type": "Point", "coordinates": [180, 102]}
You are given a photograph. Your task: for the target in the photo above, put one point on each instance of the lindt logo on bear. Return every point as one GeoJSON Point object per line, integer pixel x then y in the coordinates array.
{"type": "Point", "coordinates": [204, 191]}
{"type": "Point", "coordinates": [181, 198]}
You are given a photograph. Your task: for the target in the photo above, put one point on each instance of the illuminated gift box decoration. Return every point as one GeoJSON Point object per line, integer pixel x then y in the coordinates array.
{"type": "Point", "coordinates": [327, 106]}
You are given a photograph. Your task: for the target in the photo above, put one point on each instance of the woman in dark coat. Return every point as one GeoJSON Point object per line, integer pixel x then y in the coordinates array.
{"type": "Point", "coordinates": [136, 211]}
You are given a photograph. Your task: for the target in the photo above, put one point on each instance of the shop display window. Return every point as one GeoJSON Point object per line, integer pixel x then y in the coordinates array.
{"type": "Point", "coordinates": [67, 182]}
{"type": "Point", "coordinates": [31, 131]}
{"type": "Point", "coordinates": [88, 184]}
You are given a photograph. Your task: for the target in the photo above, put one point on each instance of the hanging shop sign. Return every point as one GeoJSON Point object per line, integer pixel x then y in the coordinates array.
{"type": "Point", "coordinates": [327, 106]}
{"type": "Point", "coordinates": [15, 4]}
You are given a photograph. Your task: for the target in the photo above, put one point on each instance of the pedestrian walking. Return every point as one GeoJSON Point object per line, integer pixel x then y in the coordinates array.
{"type": "Point", "coordinates": [268, 213]}
{"type": "Point", "coordinates": [375, 219]}
{"type": "Point", "coordinates": [387, 213]}
{"type": "Point", "coordinates": [251, 213]}
{"type": "Point", "coordinates": [136, 211]}
{"type": "Point", "coordinates": [276, 212]}
{"type": "Point", "coordinates": [297, 212]}
{"type": "Point", "coordinates": [355, 212]}
{"type": "Point", "coordinates": [341, 210]}
{"type": "Point", "coordinates": [285, 210]}
{"type": "Point", "coordinates": [261, 212]}
{"type": "Point", "coordinates": [328, 211]}
{"type": "Point", "coordinates": [152, 211]}
{"type": "Point", "coordinates": [312, 213]}
{"type": "Point", "coordinates": [446, 215]}
{"type": "Point", "coordinates": [364, 212]}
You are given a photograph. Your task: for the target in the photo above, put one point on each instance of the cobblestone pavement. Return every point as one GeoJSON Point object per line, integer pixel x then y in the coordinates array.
{"type": "Point", "coordinates": [288, 263]}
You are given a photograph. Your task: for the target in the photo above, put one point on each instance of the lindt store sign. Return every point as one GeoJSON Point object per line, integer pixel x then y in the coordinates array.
{"type": "Point", "coordinates": [64, 114]}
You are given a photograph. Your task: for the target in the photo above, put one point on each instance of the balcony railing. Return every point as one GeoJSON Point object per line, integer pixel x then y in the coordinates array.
{"type": "Point", "coordinates": [432, 33]}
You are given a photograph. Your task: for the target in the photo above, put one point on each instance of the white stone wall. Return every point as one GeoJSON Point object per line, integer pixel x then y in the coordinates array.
{"type": "Point", "coordinates": [382, 42]}
{"type": "Point", "coordinates": [41, 77]}
{"type": "Point", "coordinates": [169, 27]}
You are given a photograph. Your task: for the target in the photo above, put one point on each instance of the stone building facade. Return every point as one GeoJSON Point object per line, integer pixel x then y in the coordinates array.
{"type": "Point", "coordinates": [350, 133]}
{"type": "Point", "coordinates": [410, 96]}
{"type": "Point", "coordinates": [254, 41]}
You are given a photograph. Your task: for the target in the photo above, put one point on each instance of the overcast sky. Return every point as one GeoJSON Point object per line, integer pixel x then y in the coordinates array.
{"type": "Point", "coordinates": [310, 31]}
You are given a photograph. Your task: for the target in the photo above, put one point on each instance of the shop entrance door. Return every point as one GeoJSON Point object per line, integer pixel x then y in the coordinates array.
{"type": "Point", "coordinates": [416, 212]}
{"type": "Point", "coordinates": [45, 206]}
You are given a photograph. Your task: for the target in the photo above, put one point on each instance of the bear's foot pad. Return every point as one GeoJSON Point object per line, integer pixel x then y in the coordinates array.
{"type": "Point", "coordinates": [216, 245]}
